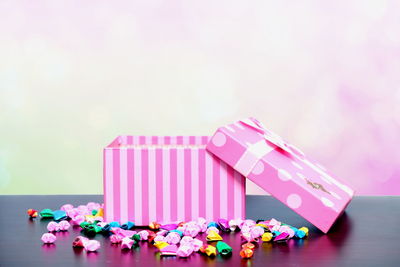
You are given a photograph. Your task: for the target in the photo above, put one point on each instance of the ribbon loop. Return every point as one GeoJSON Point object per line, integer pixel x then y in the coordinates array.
{"type": "Point", "coordinates": [272, 137]}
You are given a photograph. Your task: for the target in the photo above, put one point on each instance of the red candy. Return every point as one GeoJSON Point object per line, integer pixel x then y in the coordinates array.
{"type": "Point", "coordinates": [32, 213]}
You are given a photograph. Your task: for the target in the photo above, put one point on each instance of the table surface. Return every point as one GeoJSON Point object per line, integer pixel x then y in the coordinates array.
{"type": "Point", "coordinates": [367, 234]}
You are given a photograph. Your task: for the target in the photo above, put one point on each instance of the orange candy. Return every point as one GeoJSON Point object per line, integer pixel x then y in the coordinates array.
{"type": "Point", "coordinates": [32, 213]}
{"type": "Point", "coordinates": [246, 253]}
{"type": "Point", "coordinates": [248, 245]}
{"type": "Point", "coordinates": [154, 226]}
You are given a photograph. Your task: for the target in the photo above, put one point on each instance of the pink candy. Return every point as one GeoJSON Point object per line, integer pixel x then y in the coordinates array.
{"type": "Point", "coordinates": [123, 233]}
{"type": "Point", "coordinates": [79, 241]}
{"type": "Point", "coordinates": [191, 229]}
{"type": "Point", "coordinates": [256, 231]}
{"type": "Point", "coordinates": [159, 238]}
{"type": "Point", "coordinates": [172, 238]}
{"type": "Point", "coordinates": [89, 245]}
{"type": "Point", "coordinates": [78, 219]}
{"type": "Point", "coordinates": [115, 239]}
{"type": "Point", "coordinates": [288, 230]}
{"type": "Point", "coordinates": [127, 243]}
{"type": "Point", "coordinates": [184, 251]}
{"type": "Point", "coordinates": [64, 225]}
{"type": "Point", "coordinates": [144, 235]}
{"type": "Point", "coordinates": [195, 243]}
{"type": "Point", "coordinates": [48, 238]}
{"type": "Point", "coordinates": [66, 207]}
{"type": "Point", "coordinates": [169, 250]}
{"type": "Point", "coordinates": [55, 227]}
{"type": "Point", "coordinates": [92, 245]}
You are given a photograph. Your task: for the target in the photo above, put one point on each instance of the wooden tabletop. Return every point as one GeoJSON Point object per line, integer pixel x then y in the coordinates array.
{"type": "Point", "coordinates": [368, 234]}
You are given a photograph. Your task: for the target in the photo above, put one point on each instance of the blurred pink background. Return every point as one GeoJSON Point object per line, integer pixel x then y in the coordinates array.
{"type": "Point", "coordinates": [73, 75]}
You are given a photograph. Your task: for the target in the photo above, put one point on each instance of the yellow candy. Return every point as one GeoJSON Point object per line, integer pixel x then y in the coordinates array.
{"type": "Point", "coordinates": [262, 225]}
{"type": "Point", "coordinates": [304, 229]}
{"type": "Point", "coordinates": [213, 236]}
{"type": "Point", "coordinates": [160, 244]}
{"type": "Point", "coordinates": [266, 237]}
{"type": "Point", "coordinates": [100, 212]}
{"type": "Point", "coordinates": [89, 218]}
{"type": "Point", "coordinates": [211, 251]}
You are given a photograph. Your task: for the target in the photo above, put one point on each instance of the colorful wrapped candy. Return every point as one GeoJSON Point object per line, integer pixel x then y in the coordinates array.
{"type": "Point", "coordinates": [53, 227]}
{"type": "Point", "coordinates": [59, 215]}
{"type": "Point", "coordinates": [224, 225]}
{"type": "Point", "coordinates": [92, 245]}
{"type": "Point", "coordinates": [32, 213]}
{"type": "Point", "coordinates": [213, 236]}
{"type": "Point", "coordinates": [79, 242]}
{"type": "Point", "coordinates": [127, 243]}
{"type": "Point", "coordinates": [154, 226]}
{"type": "Point", "coordinates": [304, 229]}
{"type": "Point", "coordinates": [246, 253]}
{"type": "Point", "coordinates": [223, 248]}
{"type": "Point", "coordinates": [266, 237]}
{"type": "Point", "coordinates": [48, 238]}
{"type": "Point", "coordinates": [169, 250]}
{"type": "Point", "coordinates": [46, 214]}
{"type": "Point", "coordinates": [173, 238]}
{"type": "Point", "coordinates": [209, 250]}
{"type": "Point", "coordinates": [160, 244]}
{"type": "Point", "coordinates": [185, 250]}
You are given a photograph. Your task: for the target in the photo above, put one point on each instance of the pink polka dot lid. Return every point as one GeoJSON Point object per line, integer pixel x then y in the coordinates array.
{"type": "Point", "coordinates": [282, 170]}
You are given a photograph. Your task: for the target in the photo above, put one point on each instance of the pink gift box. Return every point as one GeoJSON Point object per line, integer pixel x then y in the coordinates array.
{"type": "Point", "coordinates": [167, 179]}
{"type": "Point", "coordinates": [282, 170]}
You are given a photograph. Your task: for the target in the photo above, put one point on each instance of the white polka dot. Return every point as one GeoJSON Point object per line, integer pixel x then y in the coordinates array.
{"type": "Point", "coordinates": [259, 168]}
{"type": "Point", "coordinates": [219, 139]}
{"type": "Point", "coordinates": [327, 202]}
{"type": "Point", "coordinates": [335, 195]}
{"type": "Point", "coordinates": [298, 166]}
{"type": "Point", "coordinates": [293, 201]}
{"type": "Point", "coordinates": [347, 189]}
{"type": "Point", "coordinates": [300, 175]}
{"type": "Point", "coordinates": [284, 175]}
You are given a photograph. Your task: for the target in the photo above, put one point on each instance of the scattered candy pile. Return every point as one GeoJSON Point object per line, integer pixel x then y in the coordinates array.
{"type": "Point", "coordinates": [174, 239]}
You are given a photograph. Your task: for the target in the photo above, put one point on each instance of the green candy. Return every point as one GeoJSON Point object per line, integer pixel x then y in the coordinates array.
{"type": "Point", "coordinates": [90, 230]}
{"type": "Point", "coordinates": [223, 248]}
{"type": "Point", "coordinates": [98, 229]}
{"type": "Point", "coordinates": [46, 213]}
{"type": "Point", "coordinates": [94, 212]}
{"type": "Point", "coordinates": [84, 224]}
{"type": "Point", "coordinates": [136, 238]}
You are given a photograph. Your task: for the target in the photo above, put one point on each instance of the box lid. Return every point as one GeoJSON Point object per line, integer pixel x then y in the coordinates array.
{"type": "Point", "coordinates": [282, 170]}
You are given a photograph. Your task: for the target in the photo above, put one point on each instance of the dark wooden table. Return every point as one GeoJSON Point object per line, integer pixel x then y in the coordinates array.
{"type": "Point", "coordinates": [368, 234]}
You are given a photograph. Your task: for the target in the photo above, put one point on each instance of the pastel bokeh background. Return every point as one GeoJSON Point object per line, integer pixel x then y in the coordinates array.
{"type": "Point", "coordinates": [73, 75]}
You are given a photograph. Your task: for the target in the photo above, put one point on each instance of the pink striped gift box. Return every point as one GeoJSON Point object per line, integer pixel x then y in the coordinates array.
{"type": "Point", "coordinates": [167, 179]}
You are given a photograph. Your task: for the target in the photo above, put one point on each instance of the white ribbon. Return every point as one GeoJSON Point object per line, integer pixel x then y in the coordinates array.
{"type": "Point", "coordinates": [257, 151]}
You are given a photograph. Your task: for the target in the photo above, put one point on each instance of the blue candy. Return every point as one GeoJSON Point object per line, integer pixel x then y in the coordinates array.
{"type": "Point", "coordinates": [59, 215]}
{"type": "Point", "coordinates": [213, 224]}
{"type": "Point", "coordinates": [300, 234]}
{"type": "Point", "coordinates": [128, 225]}
{"type": "Point", "coordinates": [114, 224]}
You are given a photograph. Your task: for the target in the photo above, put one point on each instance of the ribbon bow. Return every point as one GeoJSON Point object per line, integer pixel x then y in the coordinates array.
{"type": "Point", "coordinates": [272, 137]}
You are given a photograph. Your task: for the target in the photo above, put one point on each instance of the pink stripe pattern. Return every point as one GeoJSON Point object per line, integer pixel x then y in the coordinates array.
{"type": "Point", "coordinates": [168, 179]}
